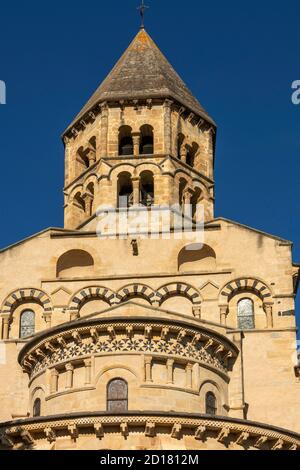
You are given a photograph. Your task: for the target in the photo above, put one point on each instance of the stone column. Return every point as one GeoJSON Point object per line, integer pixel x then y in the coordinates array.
{"type": "Point", "coordinates": [88, 371]}
{"type": "Point", "coordinates": [69, 376]}
{"type": "Point", "coordinates": [5, 326]}
{"type": "Point", "coordinates": [54, 381]}
{"type": "Point", "coordinates": [187, 196]}
{"type": "Point", "coordinates": [189, 375]}
{"type": "Point", "coordinates": [223, 314]}
{"type": "Point", "coordinates": [104, 130]}
{"type": "Point", "coordinates": [197, 311]}
{"type": "Point", "coordinates": [74, 315]}
{"type": "Point", "coordinates": [136, 137]}
{"type": "Point", "coordinates": [168, 126]}
{"type": "Point", "coordinates": [268, 307]}
{"type": "Point", "coordinates": [183, 153]}
{"type": "Point", "coordinates": [236, 387]}
{"type": "Point", "coordinates": [92, 157]}
{"type": "Point", "coordinates": [67, 160]}
{"type": "Point", "coordinates": [88, 199]}
{"type": "Point", "coordinates": [48, 318]}
{"type": "Point", "coordinates": [148, 369]}
{"type": "Point", "coordinates": [170, 371]}
{"type": "Point", "coordinates": [157, 189]}
{"type": "Point", "coordinates": [136, 190]}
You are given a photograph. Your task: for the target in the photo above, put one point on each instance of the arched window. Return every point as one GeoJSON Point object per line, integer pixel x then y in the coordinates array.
{"type": "Point", "coordinates": [180, 146]}
{"type": "Point", "coordinates": [27, 324]}
{"type": "Point", "coordinates": [82, 157]}
{"type": "Point", "coordinates": [93, 142]}
{"type": "Point", "coordinates": [117, 396]}
{"type": "Point", "coordinates": [147, 189]}
{"type": "Point", "coordinates": [210, 404]}
{"type": "Point", "coordinates": [195, 203]}
{"type": "Point", "coordinates": [246, 314]}
{"type": "Point", "coordinates": [90, 206]}
{"type": "Point", "coordinates": [37, 408]}
{"type": "Point", "coordinates": [147, 140]}
{"type": "Point", "coordinates": [191, 153]}
{"type": "Point", "coordinates": [182, 186]}
{"type": "Point", "coordinates": [125, 141]}
{"type": "Point", "coordinates": [79, 202]}
{"type": "Point", "coordinates": [125, 190]}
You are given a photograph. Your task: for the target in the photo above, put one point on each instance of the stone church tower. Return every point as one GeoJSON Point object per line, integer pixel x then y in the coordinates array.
{"type": "Point", "coordinates": [147, 339]}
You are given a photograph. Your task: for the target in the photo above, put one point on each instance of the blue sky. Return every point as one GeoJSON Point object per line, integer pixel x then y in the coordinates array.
{"type": "Point", "coordinates": [238, 58]}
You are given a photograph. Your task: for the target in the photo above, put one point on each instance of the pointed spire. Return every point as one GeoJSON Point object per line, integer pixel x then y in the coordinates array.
{"type": "Point", "coordinates": [143, 72]}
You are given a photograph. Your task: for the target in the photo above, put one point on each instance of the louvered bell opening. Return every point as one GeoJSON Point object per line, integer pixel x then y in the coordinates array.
{"type": "Point", "coordinates": [146, 147]}
{"type": "Point", "coordinates": [126, 146]}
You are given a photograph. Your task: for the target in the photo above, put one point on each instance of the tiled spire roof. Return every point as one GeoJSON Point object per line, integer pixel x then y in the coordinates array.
{"type": "Point", "coordinates": [143, 72]}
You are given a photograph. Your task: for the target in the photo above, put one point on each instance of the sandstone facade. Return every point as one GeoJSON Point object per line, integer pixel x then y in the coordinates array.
{"type": "Point", "coordinates": [139, 342]}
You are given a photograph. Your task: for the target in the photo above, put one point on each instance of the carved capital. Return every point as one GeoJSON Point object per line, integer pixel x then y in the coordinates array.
{"type": "Point", "coordinates": [168, 103]}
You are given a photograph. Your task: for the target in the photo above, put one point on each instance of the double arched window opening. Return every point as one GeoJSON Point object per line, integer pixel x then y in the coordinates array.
{"type": "Point", "coordinates": [86, 156]}
{"type": "Point", "coordinates": [126, 193]}
{"type": "Point", "coordinates": [139, 143]}
{"type": "Point", "coordinates": [185, 152]}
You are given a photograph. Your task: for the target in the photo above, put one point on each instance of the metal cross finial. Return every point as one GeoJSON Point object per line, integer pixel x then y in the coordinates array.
{"type": "Point", "coordinates": [142, 10]}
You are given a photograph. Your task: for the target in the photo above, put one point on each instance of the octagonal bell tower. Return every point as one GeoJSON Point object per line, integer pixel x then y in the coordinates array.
{"type": "Point", "coordinates": [141, 139]}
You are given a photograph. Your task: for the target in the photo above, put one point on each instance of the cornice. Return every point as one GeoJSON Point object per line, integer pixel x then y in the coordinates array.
{"type": "Point", "coordinates": [158, 337]}
{"type": "Point", "coordinates": [225, 430]}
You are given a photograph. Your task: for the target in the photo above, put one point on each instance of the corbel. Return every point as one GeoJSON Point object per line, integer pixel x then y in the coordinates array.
{"type": "Point", "coordinates": [200, 433]}
{"type": "Point", "coordinates": [99, 431]}
{"type": "Point", "coordinates": [124, 429]}
{"type": "Point", "coordinates": [77, 338]}
{"type": "Point", "coordinates": [176, 431]}
{"type": "Point", "coordinates": [150, 429]}
{"type": "Point", "coordinates": [223, 435]}
{"type": "Point", "coordinates": [164, 333]}
{"type": "Point", "coordinates": [50, 434]}
{"type": "Point", "coordinates": [111, 332]}
{"type": "Point", "coordinates": [94, 334]}
{"type": "Point", "coordinates": [148, 332]}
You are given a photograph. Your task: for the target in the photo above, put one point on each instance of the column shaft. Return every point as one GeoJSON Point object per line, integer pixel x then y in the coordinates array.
{"type": "Point", "coordinates": [168, 126]}
{"type": "Point", "coordinates": [69, 376]}
{"type": "Point", "coordinates": [170, 371]}
{"type": "Point", "coordinates": [148, 369]}
{"type": "Point", "coordinates": [104, 130]}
